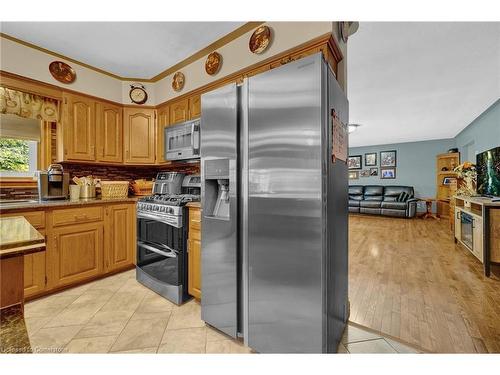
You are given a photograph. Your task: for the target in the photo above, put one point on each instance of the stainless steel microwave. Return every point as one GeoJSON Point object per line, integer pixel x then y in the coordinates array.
{"type": "Point", "coordinates": [182, 141]}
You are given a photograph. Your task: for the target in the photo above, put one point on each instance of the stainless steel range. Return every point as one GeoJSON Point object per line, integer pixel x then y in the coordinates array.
{"type": "Point", "coordinates": [162, 235]}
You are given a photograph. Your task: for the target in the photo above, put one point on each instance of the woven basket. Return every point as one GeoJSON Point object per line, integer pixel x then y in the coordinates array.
{"type": "Point", "coordinates": [114, 189]}
{"type": "Point", "coordinates": [142, 187]}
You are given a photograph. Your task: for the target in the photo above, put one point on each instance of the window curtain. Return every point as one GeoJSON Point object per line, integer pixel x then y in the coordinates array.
{"type": "Point", "coordinates": [28, 105]}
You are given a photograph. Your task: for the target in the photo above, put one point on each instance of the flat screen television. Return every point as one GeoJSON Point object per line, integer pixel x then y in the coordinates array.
{"type": "Point", "coordinates": [488, 172]}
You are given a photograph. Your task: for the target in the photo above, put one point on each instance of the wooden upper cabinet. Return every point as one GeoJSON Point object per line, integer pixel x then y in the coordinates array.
{"type": "Point", "coordinates": [163, 121]}
{"type": "Point", "coordinates": [109, 130]}
{"type": "Point", "coordinates": [119, 233]}
{"type": "Point", "coordinates": [79, 127]}
{"type": "Point", "coordinates": [139, 135]}
{"type": "Point", "coordinates": [179, 111]}
{"type": "Point", "coordinates": [194, 107]}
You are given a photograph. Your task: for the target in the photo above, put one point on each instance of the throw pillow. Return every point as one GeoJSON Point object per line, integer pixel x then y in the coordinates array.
{"type": "Point", "coordinates": [403, 197]}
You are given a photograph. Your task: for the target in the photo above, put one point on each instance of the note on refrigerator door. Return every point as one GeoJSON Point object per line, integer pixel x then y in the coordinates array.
{"type": "Point", "coordinates": [339, 138]}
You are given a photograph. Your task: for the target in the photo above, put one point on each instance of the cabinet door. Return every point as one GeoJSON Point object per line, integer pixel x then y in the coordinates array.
{"type": "Point", "coordinates": [477, 238]}
{"type": "Point", "coordinates": [458, 227]}
{"type": "Point", "coordinates": [78, 128]}
{"type": "Point", "coordinates": [34, 273]}
{"type": "Point", "coordinates": [109, 126]}
{"type": "Point", "coordinates": [163, 122]}
{"type": "Point", "coordinates": [139, 135]}
{"type": "Point", "coordinates": [179, 111]}
{"type": "Point", "coordinates": [194, 268]}
{"type": "Point", "coordinates": [194, 107]}
{"type": "Point", "coordinates": [119, 233]}
{"type": "Point", "coordinates": [77, 253]}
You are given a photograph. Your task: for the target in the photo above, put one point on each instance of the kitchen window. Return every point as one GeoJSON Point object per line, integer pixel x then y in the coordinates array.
{"type": "Point", "coordinates": [19, 144]}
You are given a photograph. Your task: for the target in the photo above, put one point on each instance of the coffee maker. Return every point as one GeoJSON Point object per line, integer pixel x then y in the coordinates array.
{"type": "Point", "coordinates": [53, 183]}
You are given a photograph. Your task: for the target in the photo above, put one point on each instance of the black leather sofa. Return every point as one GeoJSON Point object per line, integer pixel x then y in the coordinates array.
{"type": "Point", "coordinates": [383, 200]}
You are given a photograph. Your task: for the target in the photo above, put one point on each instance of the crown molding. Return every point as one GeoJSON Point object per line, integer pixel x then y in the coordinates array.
{"type": "Point", "coordinates": [197, 55]}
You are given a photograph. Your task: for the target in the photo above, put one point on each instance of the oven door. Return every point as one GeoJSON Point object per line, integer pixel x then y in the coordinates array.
{"type": "Point", "coordinates": [161, 263]}
{"type": "Point", "coordinates": [161, 251]}
{"type": "Point", "coordinates": [182, 141]}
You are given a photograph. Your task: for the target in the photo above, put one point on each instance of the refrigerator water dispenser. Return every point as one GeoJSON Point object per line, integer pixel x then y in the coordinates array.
{"type": "Point", "coordinates": [217, 189]}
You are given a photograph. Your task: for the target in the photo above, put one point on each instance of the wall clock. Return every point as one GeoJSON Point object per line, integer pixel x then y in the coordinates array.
{"type": "Point", "coordinates": [138, 94]}
{"type": "Point", "coordinates": [62, 72]}
{"type": "Point", "coordinates": [178, 81]}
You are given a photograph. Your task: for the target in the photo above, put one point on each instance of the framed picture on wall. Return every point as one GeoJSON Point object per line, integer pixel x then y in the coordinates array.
{"type": "Point", "coordinates": [373, 172]}
{"type": "Point", "coordinates": [388, 158]}
{"type": "Point", "coordinates": [365, 173]}
{"type": "Point", "coordinates": [371, 159]}
{"type": "Point", "coordinates": [387, 173]}
{"type": "Point", "coordinates": [448, 180]}
{"type": "Point", "coordinates": [354, 162]}
{"type": "Point", "coordinates": [353, 175]}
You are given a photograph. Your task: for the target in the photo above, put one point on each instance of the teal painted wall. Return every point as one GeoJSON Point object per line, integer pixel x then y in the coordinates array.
{"type": "Point", "coordinates": [416, 161]}
{"type": "Point", "coordinates": [482, 134]}
{"type": "Point", "coordinates": [416, 164]}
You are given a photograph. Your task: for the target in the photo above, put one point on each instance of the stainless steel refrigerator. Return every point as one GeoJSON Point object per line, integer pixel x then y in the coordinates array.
{"type": "Point", "coordinates": [274, 210]}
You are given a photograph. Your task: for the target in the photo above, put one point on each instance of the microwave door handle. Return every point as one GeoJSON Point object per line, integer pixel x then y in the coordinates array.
{"type": "Point", "coordinates": [171, 254]}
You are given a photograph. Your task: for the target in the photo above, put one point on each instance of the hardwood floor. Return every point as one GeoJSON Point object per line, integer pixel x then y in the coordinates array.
{"type": "Point", "coordinates": [409, 280]}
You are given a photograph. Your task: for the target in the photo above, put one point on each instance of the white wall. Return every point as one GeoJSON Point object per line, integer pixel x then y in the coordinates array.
{"type": "Point", "coordinates": [32, 63]}
{"type": "Point", "coordinates": [237, 56]}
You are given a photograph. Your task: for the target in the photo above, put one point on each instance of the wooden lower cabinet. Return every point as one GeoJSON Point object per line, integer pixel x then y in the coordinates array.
{"type": "Point", "coordinates": [35, 279]}
{"type": "Point", "coordinates": [120, 236]}
{"type": "Point", "coordinates": [77, 252]}
{"type": "Point", "coordinates": [82, 243]}
{"type": "Point", "coordinates": [194, 265]}
{"type": "Point", "coordinates": [194, 253]}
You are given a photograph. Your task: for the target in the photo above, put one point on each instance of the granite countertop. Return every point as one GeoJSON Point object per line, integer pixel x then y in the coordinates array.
{"type": "Point", "coordinates": [194, 204]}
{"type": "Point", "coordinates": [18, 237]}
{"type": "Point", "coordinates": [34, 205]}
{"type": "Point", "coordinates": [13, 334]}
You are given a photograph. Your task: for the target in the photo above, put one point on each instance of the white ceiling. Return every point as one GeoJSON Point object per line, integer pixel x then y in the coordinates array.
{"type": "Point", "coordinates": [127, 49]}
{"type": "Point", "coordinates": [419, 81]}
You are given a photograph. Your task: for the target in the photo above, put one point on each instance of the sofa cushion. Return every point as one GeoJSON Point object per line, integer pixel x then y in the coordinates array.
{"type": "Point", "coordinates": [356, 192]}
{"type": "Point", "coordinates": [372, 211]}
{"type": "Point", "coordinates": [394, 205]}
{"type": "Point", "coordinates": [394, 191]}
{"type": "Point", "coordinates": [373, 190]}
{"type": "Point", "coordinates": [370, 204]}
{"type": "Point", "coordinates": [354, 202]}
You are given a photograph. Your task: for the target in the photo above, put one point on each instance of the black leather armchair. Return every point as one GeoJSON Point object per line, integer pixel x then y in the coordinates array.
{"type": "Point", "coordinates": [382, 200]}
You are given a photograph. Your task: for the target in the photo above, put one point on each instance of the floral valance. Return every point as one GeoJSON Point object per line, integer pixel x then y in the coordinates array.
{"type": "Point", "coordinates": [28, 105]}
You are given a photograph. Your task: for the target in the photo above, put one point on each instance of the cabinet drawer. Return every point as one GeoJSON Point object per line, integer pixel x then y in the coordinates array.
{"type": "Point", "coordinates": [76, 215]}
{"type": "Point", "coordinates": [35, 218]}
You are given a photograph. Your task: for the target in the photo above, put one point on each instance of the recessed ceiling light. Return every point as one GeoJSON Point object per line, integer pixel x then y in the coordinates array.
{"type": "Point", "coordinates": [353, 127]}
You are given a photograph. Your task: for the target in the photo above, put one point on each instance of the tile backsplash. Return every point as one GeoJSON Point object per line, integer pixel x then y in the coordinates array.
{"type": "Point", "coordinates": [103, 172]}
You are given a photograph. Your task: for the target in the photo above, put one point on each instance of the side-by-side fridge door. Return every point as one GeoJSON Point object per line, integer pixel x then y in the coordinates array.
{"type": "Point", "coordinates": [219, 222]}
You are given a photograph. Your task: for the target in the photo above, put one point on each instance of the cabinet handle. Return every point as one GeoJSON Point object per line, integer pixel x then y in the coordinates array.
{"type": "Point", "coordinates": [81, 217]}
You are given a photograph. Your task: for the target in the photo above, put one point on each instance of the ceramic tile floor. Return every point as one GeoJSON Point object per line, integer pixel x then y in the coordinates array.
{"type": "Point", "coordinates": [119, 315]}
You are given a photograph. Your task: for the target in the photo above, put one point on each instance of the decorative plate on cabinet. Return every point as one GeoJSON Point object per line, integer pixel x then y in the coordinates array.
{"type": "Point", "coordinates": [260, 39]}
{"type": "Point", "coordinates": [62, 72]}
{"type": "Point", "coordinates": [178, 81]}
{"type": "Point", "coordinates": [213, 63]}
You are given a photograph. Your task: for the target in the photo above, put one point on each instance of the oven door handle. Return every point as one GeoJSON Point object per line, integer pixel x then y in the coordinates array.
{"type": "Point", "coordinates": [170, 254]}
